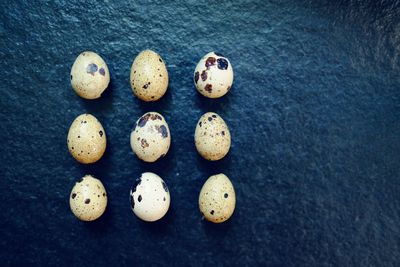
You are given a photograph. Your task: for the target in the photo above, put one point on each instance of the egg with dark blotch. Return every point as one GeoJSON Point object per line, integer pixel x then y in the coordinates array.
{"type": "Point", "coordinates": [213, 76]}
{"type": "Point", "coordinates": [89, 75]}
{"type": "Point", "coordinates": [212, 137]}
{"type": "Point", "coordinates": [150, 139]}
{"type": "Point", "coordinates": [149, 76]}
{"type": "Point", "coordinates": [86, 139]}
{"type": "Point", "coordinates": [217, 199]}
{"type": "Point", "coordinates": [88, 199]}
{"type": "Point", "coordinates": [150, 198]}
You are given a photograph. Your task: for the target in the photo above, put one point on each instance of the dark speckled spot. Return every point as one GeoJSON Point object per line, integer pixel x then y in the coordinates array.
{"type": "Point", "coordinates": [159, 59]}
{"type": "Point", "coordinates": [91, 68]}
{"type": "Point", "coordinates": [226, 195]}
{"type": "Point", "coordinates": [209, 119]}
{"type": "Point", "coordinates": [132, 202]}
{"type": "Point", "coordinates": [73, 195]}
{"type": "Point", "coordinates": [143, 120]}
{"type": "Point", "coordinates": [214, 116]}
{"type": "Point", "coordinates": [164, 186]}
{"type": "Point", "coordinates": [196, 77]}
{"type": "Point", "coordinates": [164, 199]}
{"type": "Point", "coordinates": [204, 75]}
{"type": "Point", "coordinates": [223, 132]}
{"type": "Point", "coordinates": [210, 62]}
{"type": "Point", "coordinates": [154, 117]}
{"type": "Point", "coordinates": [139, 198]}
{"type": "Point", "coordinates": [87, 201]}
{"type": "Point", "coordinates": [208, 88]}
{"type": "Point", "coordinates": [222, 63]}
{"type": "Point", "coordinates": [101, 133]}
{"type": "Point", "coordinates": [163, 131]}
{"type": "Point", "coordinates": [200, 124]}
{"type": "Point", "coordinates": [102, 71]}
{"type": "Point", "coordinates": [212, 212]}
{"type": "Point", "coordinates": [71, 77]}
{"type": "Point", "coordinates": [144, 143]}
{"type": "Point", "coordinates": [145, 86]}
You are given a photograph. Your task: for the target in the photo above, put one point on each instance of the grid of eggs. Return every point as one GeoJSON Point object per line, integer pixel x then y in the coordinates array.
{"type": "Point", "coordinates": [150, 138]}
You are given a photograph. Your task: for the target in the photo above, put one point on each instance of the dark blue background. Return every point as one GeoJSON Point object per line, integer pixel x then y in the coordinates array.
{"type": "Point", "coordinates": [314, 116]}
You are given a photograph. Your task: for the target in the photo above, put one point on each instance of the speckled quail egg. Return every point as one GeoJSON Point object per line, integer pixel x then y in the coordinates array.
{"type": "Point", "coordinates": [213, 75]}
{"type": "Point", "coordinates": [150, 139]}
{"type": "Point", "coordinates": [88, 199]}
{"type": "Point", "coordinates": [150, 197]}
{"type": "Point", "coordinates": [212, 137]}
{"type": "Point", "coordinates": [86, 139]}
{"type": "Point", "coordinates": [149, 76]}
{"type": "Point", "coordinates": [217, 198]}
{"type": "Point", "coordinates": [89, 75]}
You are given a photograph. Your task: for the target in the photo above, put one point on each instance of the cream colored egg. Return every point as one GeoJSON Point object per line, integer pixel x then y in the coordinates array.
{"type": "Point", "coordinates": [88, 199]}
{"type": "Point", "coordinates": [149, 76]}
{"type": "Point", "coordinates": [86, 139]}
{"type": "Point", "coordinates": [150, 197]}
{"type": "Point", "coordinates": [150, 138]}
{"type": "Point", "coordinates": [213, 75]}
{"type": "Point", "coordinates": [89, 75]}
{"type": "Point", "coordinates": [212, 137]}
{"type": "Point", "coordinates": [217, 198]}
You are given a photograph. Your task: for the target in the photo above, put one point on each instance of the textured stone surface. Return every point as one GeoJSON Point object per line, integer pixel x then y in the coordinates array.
{"type": "Point", "coordinates": [314, 116]}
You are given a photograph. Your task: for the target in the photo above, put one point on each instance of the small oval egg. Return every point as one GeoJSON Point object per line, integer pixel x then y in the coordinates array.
{"type": "Point", "coordinates": [217, 199]}
{"type": "Point", "coordinates": [149, 76]}
{"type": "Point", "coordinates": [150, 139]}
{"type": "Point", "coordinates": [213, 75]}
{"type": "Point", "coordinates": [86, 139]}
{"type": "Point", "coordinates": [89, 75]}
{"type": "Point", "coordinates": [88, 199]}
{"type": "Point", "coordinates": [212, 137]}
{"type": "Point", "coordinates": [150, 197]}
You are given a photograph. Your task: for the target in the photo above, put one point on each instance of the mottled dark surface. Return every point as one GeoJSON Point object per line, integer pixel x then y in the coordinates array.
{"type": "Point", "coordinates": [314, 115]}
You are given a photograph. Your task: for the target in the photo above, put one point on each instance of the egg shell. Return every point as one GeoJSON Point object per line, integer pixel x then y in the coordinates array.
{"type": "Point", "coordinates": [88, 199]}
{"type": "Point", "coordinates": [150, 198]}
{"type": "Point", "coordinates": [213, 76]}
{"type": "Point", "coordinates": [150, 138]}
{"type": "Point", "coordinates": [217, 199]}
{"type": "Point", "coordinates": [149, 76]}
{"type": "Point", "coordinates": [212, 137]}
{"type": "Point", "coordinates": [86, 139]}
{"type": "Point", "coordinates": [89, 75]}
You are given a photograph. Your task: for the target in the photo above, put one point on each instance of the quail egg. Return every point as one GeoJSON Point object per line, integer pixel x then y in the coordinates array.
{"type": "Point", "coordinates": [150, 139]}
{"type": "Point", "coordinates": [88, 199]}
{"type": "Point", "coordinates": [149, 76]}
{"type": "Point", "coordinates": [217, 198]}
{"type": "Point", "coordinates": [212, 137]}
{"type": "Point", "coordinates": [86, 139]}
{"type": "Point", "coordinates": [150, 197]}
{"type": "Point", "coordinates": [213, 75]}
{"type": "Point", "coordinates": [89, 75]}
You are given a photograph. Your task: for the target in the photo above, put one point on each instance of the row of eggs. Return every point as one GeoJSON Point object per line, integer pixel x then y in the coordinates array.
{"type": "Point", "coordinates": [151, 138]}
{"type": "Point", "coordinates": [150, 198]}
{"type": "Point", "coordinates": [213, 75]}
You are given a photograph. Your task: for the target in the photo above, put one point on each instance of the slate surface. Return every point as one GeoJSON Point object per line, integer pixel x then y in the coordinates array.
{"type": "Point", "coordinates": [314, 115]}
